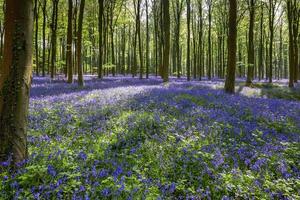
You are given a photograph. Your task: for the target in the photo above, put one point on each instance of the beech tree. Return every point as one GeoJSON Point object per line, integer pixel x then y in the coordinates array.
{"type": "Point", "coordinates": [232, 38]}
{"type": "Point", "coordinates": [188, 49]}
{"type": "Point", "coordinates": [166, 54]}
{"type": "Point", "coordinates": [293, 10]}
{"type": "Point", "coordinates": [15, 80]}
{"type": "Point", "coordinates": [69, 43]}
{"type": "Point", "coordinates": [79, 44]}
{"type": "Point", "coordinates": [251, 53]}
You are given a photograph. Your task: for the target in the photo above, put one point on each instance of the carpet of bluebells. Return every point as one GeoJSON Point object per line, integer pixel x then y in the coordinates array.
{"type": "Point", "coordinates": [124, 138]}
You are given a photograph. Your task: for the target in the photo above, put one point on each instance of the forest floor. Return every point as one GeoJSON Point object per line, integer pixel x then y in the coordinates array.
{"type": "Point", "coordinates": [124, 138]}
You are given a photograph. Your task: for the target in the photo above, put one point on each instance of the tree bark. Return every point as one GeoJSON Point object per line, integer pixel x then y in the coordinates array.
{"type": "Point", "coordinates": [54, 37]}
{"type": "Point", "coordinates": [79, 44]}
{"type": "Point", "coordinates": [147, 41]}
{"type": "Point", "coordinates": [36, 17]}
{"type": "Point", "coordinates": [15, 80]}
{"type": "Point", "coordinates": [209, 40]}
{"type": "Point", "coordinates": [69, 43]}
{"type": "Point", "coordinates": [166, 53]}
{"type": "Point", "coordinates": [100, 29]}
{"type": "Point", "coordinates": [44, 36]}
{"type": "Point", "coordinates": [251, 53]}
{"type": "Point", "coordinates": [232, 37]}
{"type": "Point", "coordinates": [188, 59]}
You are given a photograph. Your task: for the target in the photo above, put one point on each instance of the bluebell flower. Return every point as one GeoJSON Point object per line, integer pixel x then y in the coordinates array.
{"type": "Point", "coordinates": [82, 155]}
{"type": "Point", "coordinates": [105, 192]}
{"type": "Point", "coordinates": [51, 171]}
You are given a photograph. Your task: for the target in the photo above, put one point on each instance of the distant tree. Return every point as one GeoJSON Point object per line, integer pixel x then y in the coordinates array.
{"type": "Point", "coordinates": [178, 7]}
{"type": "Point", "coordinates": [232, 38]}
{"type": "Point", "coordinates": [147, 40]}
{"type": "Point", "coordinates": [209, 71]}
{"type": "Point", "coordinates": [44, 8]}
{"type": "Point", "coordinates": [36, 18]}
{"type": "Point", "coordinates": [15, 79]}
{"type": "Point", "coordinates": [272, 7]}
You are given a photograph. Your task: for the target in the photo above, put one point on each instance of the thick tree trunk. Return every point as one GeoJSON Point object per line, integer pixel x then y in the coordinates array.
{"type": "Point", "coordinates": [15, 79]}
{"type": "Point", "coordinates": [232, 37]}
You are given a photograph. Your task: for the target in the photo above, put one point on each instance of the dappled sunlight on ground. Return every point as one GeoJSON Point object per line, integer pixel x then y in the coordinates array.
{"type": "Point", "coordinates": [127, 138]}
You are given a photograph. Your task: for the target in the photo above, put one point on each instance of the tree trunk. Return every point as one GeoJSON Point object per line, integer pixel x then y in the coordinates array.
{"type": "Point", "coordinates": [251, 53]}
{"type": "Point", "coordinates": [15, 80]}
{"type": "Point", "coordinates": [188, 59]}
{"type": "Point", "coordinates": [200, 52]}
{"type": "Point", "coordinates": [147, 41]}
{"type": "Point", "coordinates": [166, 53]}
{"type": "Point", "coordinates": [79, 44]}
{"type": "Point", "coordinates": [138, 21]}
{"type": "Point", "coordinates": [69, 43]}
{"type": "Point", "coordinates": [54, 37]}
{"type": "Point", "coordinates": [232, 37]}
{"type": "Point", "coordinates": [261, 46]}
{"type": "Point", "coordinates": [44, 36]}
{"type": "Point", "coordinates": [209, 40]}
{"type": "Point", "coordinates": [36, 17]}
{"type": "Point", "coordinates": [293, 23]}
{"type": "Point", "coordinates": [100, 29]}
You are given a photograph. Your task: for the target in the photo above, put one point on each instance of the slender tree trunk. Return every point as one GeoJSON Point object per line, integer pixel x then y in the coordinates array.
{"type": "Point", "coordinates": [44, 36]}
{"type": "Point", "coordinates": [200, 35]}
{"type": "Point", "coordinates": [209, 40]}
{"type": "Point", "coordinates": [140, 38]}
{"type": "Point", "coordinates": [188, 59]}
{"type": "Point", "coordinates": [147, 41]}
{"type": "Point", "coordinates": [272, 6]}
{"type": "Point", "coordinates": [251, 53]}
{"type": "Point", "coordinates": [100, 29]}
{"type": "Point", "coordinates": [54, 37]}
{"type": "Point", "coordinates": [15, 80]}
{"type": "Point", "coordinates": [113, 62]}
{"type": "Point", "coordinates": [280, 52]}
{"type": "Point", "coordinates": [166, 53]}
{"type": "Point", "coordinates": [36, 16]}
{"type": "Point", "coordinates": [69, 43]}
{"type": "Point", "coordinates": [79, 44]}
{"type": "Point", "coordinates": [261, 46]}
